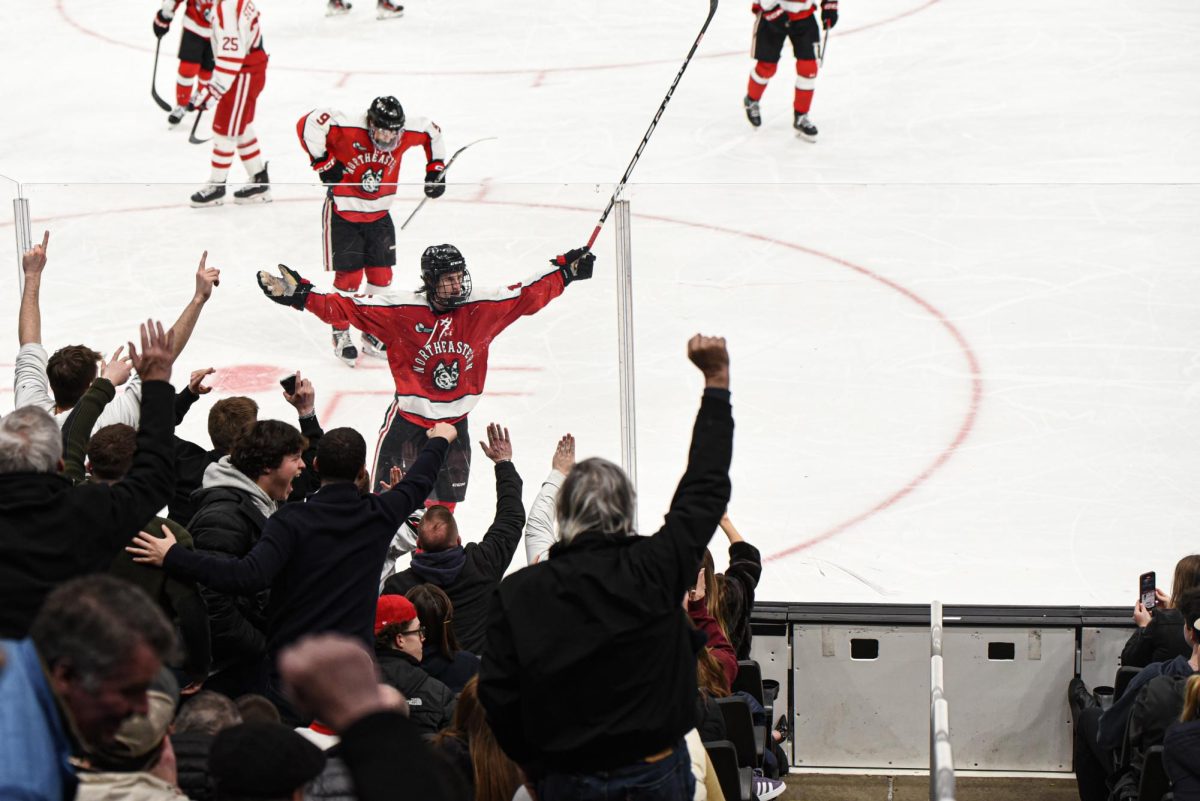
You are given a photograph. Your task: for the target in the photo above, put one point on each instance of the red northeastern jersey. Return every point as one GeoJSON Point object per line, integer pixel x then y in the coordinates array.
{"type": "Point", "coordinates": [438, 361]}
{"type": "Point", "coordinates": [368, 186]}
{"type": "Point", "coordinates": [197, 18]}
{"type": "Point", "coordinates": [237, 43]}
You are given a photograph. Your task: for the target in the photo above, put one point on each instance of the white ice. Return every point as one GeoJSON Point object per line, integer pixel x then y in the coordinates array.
{"type": "Point", "coordinates": [963, 323]}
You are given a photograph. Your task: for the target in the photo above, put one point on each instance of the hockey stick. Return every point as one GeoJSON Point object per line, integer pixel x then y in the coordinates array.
{"type": "Point", "coordinates": [192, 136]}
{"type": "Point", "coordinates": [824, 44]}
{"type": "Point", "coordinates": [712, 9]}
{"type": "Point", "coordinates": [154, 81]}
{"type": "Point", "coordinates": [445, 170]}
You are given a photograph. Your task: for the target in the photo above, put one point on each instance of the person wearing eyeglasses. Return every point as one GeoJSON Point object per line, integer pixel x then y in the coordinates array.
{"type": "Point", "coordinates": [399, 640]}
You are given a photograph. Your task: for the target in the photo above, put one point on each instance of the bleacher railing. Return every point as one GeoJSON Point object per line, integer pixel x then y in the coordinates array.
{"type": "Point", "coordinates": [941, 757]}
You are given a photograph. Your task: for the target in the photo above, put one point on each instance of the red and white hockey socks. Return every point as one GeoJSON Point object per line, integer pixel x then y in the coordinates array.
{"type": "Point", "coordinates": [249, 152]}
{"type": "Point", "coordinates": [378, 278]}
{"type": "Point", "coordinates": [183, 81]}
{"type": "Point", "coordinates": [222, 158]}
{"type": "Point", "coordinates": [347, 280]}
{"type": "Point", "coordinates": [763, 70]}
{"type": "Point", "coordinates": [806, 82]}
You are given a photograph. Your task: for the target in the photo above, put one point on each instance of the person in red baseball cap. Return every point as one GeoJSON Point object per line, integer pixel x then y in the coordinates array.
{"type": "Point", "coordinates": [398, 648]}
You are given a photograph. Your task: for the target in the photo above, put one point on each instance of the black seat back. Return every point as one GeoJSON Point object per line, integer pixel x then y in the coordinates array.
{"type": "Point", "coordinates": [739, 728]}
{"type": "Point", "coordinates": [723, 756]}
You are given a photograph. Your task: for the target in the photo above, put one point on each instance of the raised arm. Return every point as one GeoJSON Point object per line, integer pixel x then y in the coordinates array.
{"type": "Point", "coordinates": [500, 541]}
{"type": "Point", "coordinates": [245, 576]}
{"type": "Point", "coordinates": [206, 279]}
{"type": "Point", "coordinates": [700, 499]}
{"type": "Point", "coordinates": [540, 530]}
{"type": "Point", "coordinates": [29, 322]}
{"type": "Point", "coordinates": [410, 492]}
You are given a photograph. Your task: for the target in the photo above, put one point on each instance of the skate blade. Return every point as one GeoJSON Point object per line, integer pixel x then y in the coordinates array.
{"type": "Point", "coordinates": [246, 201]}
{"type": "Point", "coordinates": [806, 137]}
{"type": "Point", "coordinates": [389, 15]}
{"type": "Point", "coordinates": [340, 12]}
{"type": "Point", "coordinates": [375, 354]}
{"type": "Point", "coordinates": [196, 204]}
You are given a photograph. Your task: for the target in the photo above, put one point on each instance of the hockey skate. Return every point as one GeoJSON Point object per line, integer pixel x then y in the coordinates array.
{"type": "Point", "coordinates": [176, 115]}
{"type": "Point", "coordinates": [343, 347]}
{"type": "Point", "coordinates": [257, 191]}
{"type": "Point", "coordinates": [752, 113]}
{"type": "Point", "coordinates": [373, 346]}
{"type": "Point", "coordinates": [209, 195]}
{"type": "Point", "coordinates": [804, 128]}
{"type": "Point", "coordinates": [337, 8]}
{"type": "Point", "coordinates": [387, 10]}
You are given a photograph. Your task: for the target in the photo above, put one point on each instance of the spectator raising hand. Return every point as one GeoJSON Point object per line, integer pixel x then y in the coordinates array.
{"type": "Point", "coordinates": [117, 369]}
{"type": "Point", "coordinates": [498, 448]}
{"type": "Point", "coordinates": [158, 352]}
{"type": "Point", "coordinates": [540, 531]}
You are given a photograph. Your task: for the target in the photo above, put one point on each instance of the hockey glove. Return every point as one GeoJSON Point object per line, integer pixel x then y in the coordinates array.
{"type": "Point", "coordinates": [775, 14]}
{"type": "Point", "coordinates": [161, 25]}
{"type": "Point", "coordinates": [435, 179]}
{"type": "Point", "coordinates": [828, 13]}
{"type": "Point", "coordinates": [575, 265]}
{"type": "Point", "coordinates": [329, 169]}
{"type": "Point", "coordinates": [287, 290]}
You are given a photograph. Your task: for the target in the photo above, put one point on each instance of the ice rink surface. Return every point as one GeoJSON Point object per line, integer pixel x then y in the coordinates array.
{"type": "Point", "coordinates": [963, 324]}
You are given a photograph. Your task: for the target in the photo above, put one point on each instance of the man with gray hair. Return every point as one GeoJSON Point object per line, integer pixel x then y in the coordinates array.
{"type": "Point", "coordinates": [91, 655]}
{"type": "Point", "coordinates": [589, 674]}
{"type": "Point", "coordinates": [50, 531]}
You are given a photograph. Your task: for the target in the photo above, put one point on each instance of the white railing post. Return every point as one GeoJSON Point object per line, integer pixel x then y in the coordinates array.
{"type": "Point", "coordinates": [624, 272]}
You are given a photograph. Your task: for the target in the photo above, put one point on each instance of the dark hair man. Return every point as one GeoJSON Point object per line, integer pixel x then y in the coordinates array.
{"type": "Point", "coordinates": [91, 654]}
{"type": "Point", "coordinates": [51, 531]}
{"type": "Point", "coordinates": [437, 342]}
{"type": "Point", "coordinates": [321, 558]}
{"type": "Point", "coordinates": [240, 492]}
{"type": "Point", "coordinates": [587, 719]}
{"type": "Point", "coordinates": [469, 574]}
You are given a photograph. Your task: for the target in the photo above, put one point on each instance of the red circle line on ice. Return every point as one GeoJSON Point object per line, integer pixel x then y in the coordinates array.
{"type": "Point", "coordinates": [965, 426]}
{"type": "Point", "coordinates": [538, 72]}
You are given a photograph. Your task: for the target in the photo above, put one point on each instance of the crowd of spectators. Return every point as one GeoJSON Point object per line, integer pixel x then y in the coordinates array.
{"type": "Point", "coordinates": [257, 642]}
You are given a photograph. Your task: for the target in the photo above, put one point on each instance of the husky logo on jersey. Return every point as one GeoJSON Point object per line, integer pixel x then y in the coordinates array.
{"type": "Point", "coordinates": [371, 180]}
{"type": "Point", "coordinates": [445, 376]}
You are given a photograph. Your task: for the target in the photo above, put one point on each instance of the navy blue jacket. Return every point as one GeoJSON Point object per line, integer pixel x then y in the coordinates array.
{"type": "Point", "coordinates": [322, 558]}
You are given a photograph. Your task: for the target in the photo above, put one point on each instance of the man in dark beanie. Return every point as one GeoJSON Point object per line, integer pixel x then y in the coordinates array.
{"type": "Point", "coordinates": [263, 762]}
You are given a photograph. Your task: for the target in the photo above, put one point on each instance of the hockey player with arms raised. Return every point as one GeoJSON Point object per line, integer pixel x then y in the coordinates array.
{"type": "Point", "coordinates": [359, 159]}
{"type": "Point", "coordinates": [438, 339]}
{"type": "Point", "coordinates": [776, 21]}
{"type": "Point", "coordinates": [238, 78]}
{"type": "Point", "coordinates": [195, 49]}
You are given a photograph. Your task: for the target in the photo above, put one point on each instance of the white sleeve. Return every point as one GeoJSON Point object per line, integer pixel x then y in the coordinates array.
{"type": "Point", "coordinates": [315, 133]}
{"type": "Point", "coordinates": [232, 37]}
{"type": "Point", "coordinates": [125, 408]}
{"type": "Point", "coordinates": [31, 386]}
{"type": "Point", "coordinates": [540, 532]}
{"type": "Point", "coordinates": [436, 149]}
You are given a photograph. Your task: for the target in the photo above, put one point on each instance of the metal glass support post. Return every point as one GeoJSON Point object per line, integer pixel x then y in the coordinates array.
{"type": "Point", "coordinates": [625, 342]}
{"type": "Point", "coordinates": [22, 229]}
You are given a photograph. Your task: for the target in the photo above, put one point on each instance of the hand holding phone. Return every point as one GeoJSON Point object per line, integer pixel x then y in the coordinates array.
{"type": "Point", "coordinates": [289, 384]}
{"type": "Point", "coordinates": [1146, 592]}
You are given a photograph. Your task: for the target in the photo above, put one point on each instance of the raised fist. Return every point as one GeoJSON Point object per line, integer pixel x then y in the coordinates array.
{"type": "Point", "coordinates": [287, 289]}
{"type": "Point", "coordinates": [575, 265]}
{"type": "Point", "coordinates": [709, 354]}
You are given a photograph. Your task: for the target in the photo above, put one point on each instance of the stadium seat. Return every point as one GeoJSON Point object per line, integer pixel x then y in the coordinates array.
{"type": "Point", "coordinates": [1125, 675]}
{"type": "Point", "coordinates": [737, 783]}
{"type": "Point", "coordinates": [741, 731]}
{"type": "Point", "coordinates": [1155, 783]}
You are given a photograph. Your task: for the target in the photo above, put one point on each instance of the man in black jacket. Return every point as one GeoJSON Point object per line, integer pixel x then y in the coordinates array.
{"type": "Point", "coordinates": [321, 558]}
{"type": "Point", "coordinates": [240, 492]}
{"type": "Point", "coordinates": [399, 637]}
{"type": "Point", "coordinates": [589, 674]}
{"type": "Point", "coordinates": [51, 531]}
{"type": "Point", "coordinates": [469, 574]}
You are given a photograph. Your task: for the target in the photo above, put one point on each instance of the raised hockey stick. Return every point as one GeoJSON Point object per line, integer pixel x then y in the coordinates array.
{"type": "Point", "coordinates": [408, 219]}
{"type": "Point", "coordinates": [712, 9]}
{"type": "Point", "coordinates": [164, 105]}
{"type": "Point", "coordinates": [195, 140]}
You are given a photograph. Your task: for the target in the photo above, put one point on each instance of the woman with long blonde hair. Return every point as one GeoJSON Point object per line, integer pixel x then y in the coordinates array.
{"type": "Point", "coordinates": [469, 743]}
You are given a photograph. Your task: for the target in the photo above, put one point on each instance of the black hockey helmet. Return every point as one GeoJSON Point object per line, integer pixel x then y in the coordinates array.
{"type": "Point", "coordinates": [385, 120]}
{"type": "Point", "coordinates": [440, 260]}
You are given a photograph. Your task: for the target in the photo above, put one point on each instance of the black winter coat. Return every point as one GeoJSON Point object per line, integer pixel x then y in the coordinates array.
{"type": "Point", "coordinates": [454, 673]}
{"type": "Point", "coordinates": [471, 591]}
{"type": "Point", "coordinates": [430, 703]}
{"type": "Point", "coordinates": [1160, 640]}
{"type": "Point", "coordinates": [590, 662]}
{"type": "Point", "coordinates": [51, 531]}
{"type": "Point", "coordinates": [227, 522]}
{"type": "Point", "coordinates": [191, 760]}
{"type": "Point", "coordinates": [1181, 757]}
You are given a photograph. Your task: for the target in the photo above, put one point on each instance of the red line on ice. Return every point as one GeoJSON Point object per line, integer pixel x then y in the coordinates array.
{"type": "Point", "coordinates": [961, 433]}
{"type": "Point", "coordinates": [538, 72]}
